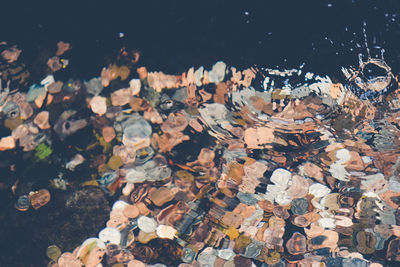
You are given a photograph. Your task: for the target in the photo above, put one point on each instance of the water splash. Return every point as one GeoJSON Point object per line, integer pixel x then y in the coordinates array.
{"type": "Point", "coordinates": [373, 76]}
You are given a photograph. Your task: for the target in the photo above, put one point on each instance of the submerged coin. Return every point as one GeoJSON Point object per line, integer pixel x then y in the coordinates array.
{"type": "Point", "coordinates": [23, 203]}
{"type": "Point", "coordinates": [110, 235]}
{"type": "Point", "coordinates": [188, 255]}
{"type": "Point", "coordinates": [299, 206]}
{"type": "Point", "coordinates": [53, 252]}
{"type": "Point", "coordinates": [136, 263]}
{"type": "Point", "coordinates": [147, 224]}
{"type": "Point", "coordinates": [68, 260]}
{"type": "Point", "coordinates": [165, 231]}
{"type": "Point", "coordinates": [40, 198]}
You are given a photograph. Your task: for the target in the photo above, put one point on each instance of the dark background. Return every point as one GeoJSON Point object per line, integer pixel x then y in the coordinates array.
{"type": "Point", "coordinates": [174, 35]}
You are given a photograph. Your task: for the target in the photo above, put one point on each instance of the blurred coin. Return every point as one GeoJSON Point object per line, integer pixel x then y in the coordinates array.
{"type": "Point", "coordinates": [23, 203]}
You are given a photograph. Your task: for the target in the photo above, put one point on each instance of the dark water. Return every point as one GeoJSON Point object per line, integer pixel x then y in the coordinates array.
{"type": "Point", "coordinates": [174, 35]}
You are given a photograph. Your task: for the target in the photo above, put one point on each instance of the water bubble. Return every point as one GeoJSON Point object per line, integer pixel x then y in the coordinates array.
{"type": "Point", "coordinates": [364, 23]}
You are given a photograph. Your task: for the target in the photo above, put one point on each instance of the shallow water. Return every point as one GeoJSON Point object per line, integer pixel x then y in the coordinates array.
{"type": "Point", "coordinates": [317, 37]}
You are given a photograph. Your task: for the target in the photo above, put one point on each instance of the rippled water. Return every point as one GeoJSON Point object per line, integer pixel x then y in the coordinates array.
{"type": "Point", "coordinates": [295, 50]}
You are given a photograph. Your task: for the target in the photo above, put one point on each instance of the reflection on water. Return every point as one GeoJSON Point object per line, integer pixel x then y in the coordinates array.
{"type": "Point", "coordinates": [213, 166]}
